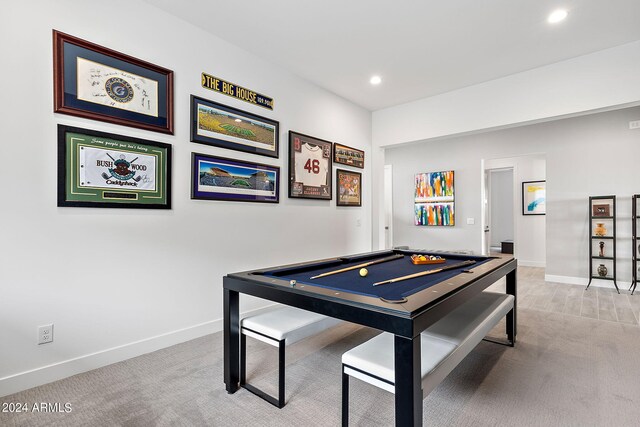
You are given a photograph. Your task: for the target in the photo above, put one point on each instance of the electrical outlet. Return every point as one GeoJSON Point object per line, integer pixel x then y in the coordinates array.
{"type": "Point", "coordinates": [45, 333]}
{"type": "Point", "coordinates": [358, 222]}
{"type": "Point", "coordinates": [634, 124]}
{"type": "Point", "coordinates": [471, 221]}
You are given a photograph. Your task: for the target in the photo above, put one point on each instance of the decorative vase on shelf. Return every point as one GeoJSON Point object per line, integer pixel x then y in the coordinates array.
{"type": "Point", "coordinates": [601, 254]}
{"type": "Point", "coordinates": [600, 230]}
{"type": "Point", "coordinates": [602, 270]}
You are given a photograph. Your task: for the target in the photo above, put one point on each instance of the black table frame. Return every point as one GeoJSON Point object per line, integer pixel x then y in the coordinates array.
{"type": "Point", "coordinates": [406, 321]}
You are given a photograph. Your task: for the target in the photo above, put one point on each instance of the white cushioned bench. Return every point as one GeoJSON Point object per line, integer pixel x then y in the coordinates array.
{"type": "Point", "coordinates": [280, 328]}
{"type": "Point", "coordinates": [444, 344]}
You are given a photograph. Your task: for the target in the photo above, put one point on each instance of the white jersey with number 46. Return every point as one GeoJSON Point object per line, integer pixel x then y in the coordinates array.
{"type": "Point", "coordinates": [311, 166]}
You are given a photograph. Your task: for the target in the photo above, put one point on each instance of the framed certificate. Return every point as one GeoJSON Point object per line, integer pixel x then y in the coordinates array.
{"type": "Point", "coordinates": [98, 83]}
{"type": "Point", "coordinates": [103, 170]}
{"type": "Point", "coordinates": [309, 167]}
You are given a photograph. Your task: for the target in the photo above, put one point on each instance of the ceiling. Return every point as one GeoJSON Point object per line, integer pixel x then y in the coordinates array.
{"type": "Point", "coordinates": [420, 48]}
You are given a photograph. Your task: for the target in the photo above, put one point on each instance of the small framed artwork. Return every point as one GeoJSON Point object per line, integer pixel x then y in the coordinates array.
{"type": "Point", "coordinates": [103, 170]}
{"type": "Point", "coordinates": [348, 188]}
{"type": "Point", "coordinates": [227, 127]}
{"type": "Point", "coordinates": [434, 199]}
{"type": "Point", "coordinates": [98, 83]}
{"type": "Point", "coordinates": [601, 210]}
{"type": "Point", "coordinates": [309, 167]}
{"type": "Point", "coordinates": [348, 156]}
{"type": "Point", "coordinates": [534, 198]}
{"type": "Point", "coordinates": [218, 178]}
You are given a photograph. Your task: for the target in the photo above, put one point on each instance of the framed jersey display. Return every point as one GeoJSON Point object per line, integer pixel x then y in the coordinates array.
{"type": "Point", "coordinates": [309, 167]}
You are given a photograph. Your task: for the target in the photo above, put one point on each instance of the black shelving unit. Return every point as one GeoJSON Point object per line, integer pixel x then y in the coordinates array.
{"type": "Point", "coordinates": [603, 209]}
{"type": "Point", "coordinates": [635, 241]}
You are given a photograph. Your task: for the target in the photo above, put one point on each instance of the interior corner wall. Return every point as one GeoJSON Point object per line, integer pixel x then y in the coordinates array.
{"type": "Point", "coordinates": [121, 282]}
{"type": "Point", "coordinates": [588, 155]}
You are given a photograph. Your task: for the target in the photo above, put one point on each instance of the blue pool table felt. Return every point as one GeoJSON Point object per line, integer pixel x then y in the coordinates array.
{"type": "Point", "coordinates": [351, 281]}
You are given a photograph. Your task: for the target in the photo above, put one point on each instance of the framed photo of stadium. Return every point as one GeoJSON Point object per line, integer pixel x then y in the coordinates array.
{"type": "Point", "coordinates": [98, 83]}
{"type": "Point", "coordinates": [348, 188]}
{"type": "Point", "coordinates": [219, 178]}
{"type": "Point", "coordinates": [309, 167]}
{"type": "Point", "coordinates": [227, 127]}
{"type": "Point", "coordinates": [348, 156]}
{"type": "Point", "coordinates": [104, 170]}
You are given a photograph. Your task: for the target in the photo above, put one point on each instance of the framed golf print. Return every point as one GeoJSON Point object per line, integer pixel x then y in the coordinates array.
{"type": "Point", "coordinates": [227, 127]}
{"type": "Point", "coordinates": [218, 178]}
{"type": "Point", "coordinates": [309, 167]}
{"type": "Point", "coordinates": [98, 83]}
{"type": "Point", "coordinates": [348, 156]}
{"type": "Point", "coordinates": [104, 170]}
{"type": "Point", "coordinates": [348, 188]}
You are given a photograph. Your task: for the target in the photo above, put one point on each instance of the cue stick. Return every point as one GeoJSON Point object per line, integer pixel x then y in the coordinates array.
{"type": "Point", "coordinates": [366, 264]}
{"type": "Point", "coordinates": [424, 273]}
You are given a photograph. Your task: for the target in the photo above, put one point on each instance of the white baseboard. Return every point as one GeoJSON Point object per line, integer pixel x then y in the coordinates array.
{"type": "Point", "coordinates": [524, 263]}
{"type": "Point", "coordinates": [66, 368]}
{"type": "Point", "coordinates": [583, 281]}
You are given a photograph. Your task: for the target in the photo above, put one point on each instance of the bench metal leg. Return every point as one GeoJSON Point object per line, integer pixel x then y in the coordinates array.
{"type": "Point", "coordinates": [345, 398]}
{"type": "Point", "coordinates": [279, 402]}
{"type": "Point", "coordinates": [511, 316]}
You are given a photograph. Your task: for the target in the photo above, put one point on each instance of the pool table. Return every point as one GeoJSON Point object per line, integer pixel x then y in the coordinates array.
{"type": "Point", "coordinates": [404, 308]}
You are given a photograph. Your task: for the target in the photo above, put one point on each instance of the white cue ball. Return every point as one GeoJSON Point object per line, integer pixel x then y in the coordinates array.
{"type": "Point", "coordinates": [363, 272]}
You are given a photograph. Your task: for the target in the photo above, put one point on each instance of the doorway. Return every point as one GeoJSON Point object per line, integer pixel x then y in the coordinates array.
{"type": "Point", "coordinates": [499, 226]}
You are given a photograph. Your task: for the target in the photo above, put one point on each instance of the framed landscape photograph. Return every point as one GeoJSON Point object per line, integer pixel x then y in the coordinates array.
{"type": "Point", "coordinates": [534, 198]}
{"type": "Point", "coordinates": [104, 170]}
{"type": "Point", "coordinates": [348, 188]}
{"type": "Point", "coordinates": [227, 127]}
{"type": "Point", "coordinates": [434, 202]}
{"type": "Point", "coordinates": [309, 167]}
{"type": "Point", "coordinates": [218, 178]}
{"type": "Point", "coordinates": [348, 156]}
{"type": "Point", "coordinates": [98, 83]}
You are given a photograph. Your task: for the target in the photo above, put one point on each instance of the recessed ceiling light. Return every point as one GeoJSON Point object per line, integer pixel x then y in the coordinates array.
{"type": "Point", "coordinates": [375, 80]}
{"type": "Point", "coordinates": [557, 16]}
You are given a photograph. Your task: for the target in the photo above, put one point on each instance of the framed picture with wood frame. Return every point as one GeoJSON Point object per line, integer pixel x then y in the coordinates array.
{"type": "Point", "coordinates": [94, 82]}
{"type": "Point", "coordinates": [309, 167]}
{"type": "Point", "coordinates": [227, 127]}
{"type": "Point", "coordinates": [348, 188]}
{"type": "Point", "coordinates": [105, 170]}
{"type": "Point", "coordinates": [348, 156]}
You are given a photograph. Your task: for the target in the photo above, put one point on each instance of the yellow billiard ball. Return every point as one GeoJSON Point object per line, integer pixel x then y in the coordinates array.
{"type": "Point", "coordinates": [363, 272]}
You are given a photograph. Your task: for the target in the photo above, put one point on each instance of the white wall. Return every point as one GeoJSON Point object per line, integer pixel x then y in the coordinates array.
{"type": "Point", "coordinates": [600, 81]}
{"type": "Point", "coordinates": [68, 266]}
{"type": "Point", "coordinates": [588, 155]}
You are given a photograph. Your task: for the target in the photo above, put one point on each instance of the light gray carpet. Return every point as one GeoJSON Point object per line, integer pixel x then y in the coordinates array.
{"type": "Point", "coordinates": [566, 370]}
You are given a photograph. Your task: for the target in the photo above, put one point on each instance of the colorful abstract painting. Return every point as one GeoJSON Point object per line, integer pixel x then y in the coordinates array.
{"type": "Point", "coordinates": [434, 199]}
{"type": "Point", "coordinates": [534, 195]}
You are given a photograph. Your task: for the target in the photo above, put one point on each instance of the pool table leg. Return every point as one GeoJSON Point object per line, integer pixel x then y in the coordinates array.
{"type": "Point", "coordinates": [511, 316]}
{"type": "Point", "coordinates": [231, 301]}
{"type": "Point", "coordinates": [408, 381]}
